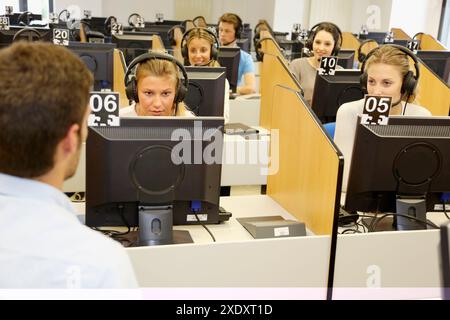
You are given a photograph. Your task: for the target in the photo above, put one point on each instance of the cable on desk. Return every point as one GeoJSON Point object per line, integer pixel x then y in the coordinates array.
{"type": "Point", "coordinates": [206, 228]}
{"type": "Point", "coordinates": [427, 222]}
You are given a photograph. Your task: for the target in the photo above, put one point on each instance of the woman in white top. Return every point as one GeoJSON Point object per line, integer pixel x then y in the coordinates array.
{"type": "Point", "coordinates": [153, 82]}
{"type": "Point", "coordinates": [325, 40]}
{"type": "Point", "coordinates": [386, 72]}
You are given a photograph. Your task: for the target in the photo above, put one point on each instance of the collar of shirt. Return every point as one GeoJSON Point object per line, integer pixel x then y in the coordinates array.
{"type": "Point", "coordinates": [32, 189]}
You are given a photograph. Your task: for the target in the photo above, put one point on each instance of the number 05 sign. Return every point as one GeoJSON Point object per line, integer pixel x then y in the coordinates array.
{"type": "Point", "coordinates": [376, 110]}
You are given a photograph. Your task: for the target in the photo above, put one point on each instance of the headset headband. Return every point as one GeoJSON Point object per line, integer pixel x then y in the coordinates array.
{"type": "Point", "coordinates": [187, 33]}
{"type": "Point", "coordinates": [335, 26]}
{"type": "Point", "coordinates": [155, 55]}
{"type": "Point", "coordinates": [402, 49]}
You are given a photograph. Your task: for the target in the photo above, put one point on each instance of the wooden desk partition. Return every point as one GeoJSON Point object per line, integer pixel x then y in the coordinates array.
{"type": "Point", "coordinates": [308, 181]}
{"type": "Point", "coordinates": [434, 93]}
{"type": "Point", "coordinates": [119, 77]}
{"type": "Point", "coordinates": [399, 34]}
{"type": "Point", "coordinates": [428, 42]}
{"type": "Point", "coordinates": [157, 44]}
{"type": "Point", "coordinates": [273, 71]}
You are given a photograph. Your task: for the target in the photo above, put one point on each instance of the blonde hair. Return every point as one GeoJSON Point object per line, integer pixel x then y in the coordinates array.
{"type": "Point", "coordinates": [392, 56]}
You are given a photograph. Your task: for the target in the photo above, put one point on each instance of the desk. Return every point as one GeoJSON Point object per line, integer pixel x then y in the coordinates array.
{"type": "Point", "coordinates": [236, 259]}
{"type": "Point", "coordinates": [245, 109]}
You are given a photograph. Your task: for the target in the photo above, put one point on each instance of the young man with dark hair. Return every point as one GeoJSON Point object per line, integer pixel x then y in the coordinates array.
{"type": "Point", "coordinates": [44, 95]}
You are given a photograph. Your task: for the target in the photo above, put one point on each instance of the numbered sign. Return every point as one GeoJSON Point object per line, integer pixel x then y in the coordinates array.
{"type": "Point", "coordinates": [87, 14]}
{"type": "Point", "coordinates": [61, 37]}
{"type": "Point", "coordinates": [328, 66]}
{"type": "Point", "coordinates": [4, 23]}
{"type": "Point", "coordinates": [376, 110]}
{"type": "Point", "coordinates": [413, 45]}
{"type": "Point", "coordinates": [140, 23]}
{"type": "Point", "coordinates": [9, 10]}
{"type": "Point", "coordinates": [104, 109]}
{"type": "Point", "coordinates": [117, 29]}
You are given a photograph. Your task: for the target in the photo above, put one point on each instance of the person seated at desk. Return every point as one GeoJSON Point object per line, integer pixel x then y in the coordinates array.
{"type": "Point", "coordinates": [325, 39]}
{"type": "Point", "coordinates": [153, 82]}
{"type": "Point", "coordinates": [44, 100]}
{"type": "Point", "coordinates": [230, 28]}
{"type": "Point", "coordinates": [199, 47]}
{"type": "Point", "coordinates": [386, 72]}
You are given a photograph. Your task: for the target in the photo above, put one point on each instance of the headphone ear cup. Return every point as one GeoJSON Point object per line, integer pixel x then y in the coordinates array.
{"type": "Point", "coordinates": [184, 52]}
{"type": "Point", "coordinates": [361, 57]}
{"type": "Point", "coordinates": [131, 90]}
{"type": "Point", "coordinates": [214, 53]}
{"type": "Point", "coordinates": [409, 83]}
{"type": "Point", "coordinates": [363, 82]}
{"type": "Point", "coordinates": [181, 93]}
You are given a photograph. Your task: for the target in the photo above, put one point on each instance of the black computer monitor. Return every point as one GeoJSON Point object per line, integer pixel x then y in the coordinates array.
{"type": "Point", "coordinates": [244, 44]}
{"type": "Point", "coordinates": [437, 61]}
{"type": "Point", "coordinates": [39, 33]}
{"type": "Point", "coordinates": [206, 92]}
{"type": "Point", "coordinates": [160, 29]}
{"type": "Point", "coordinates": [331, 91]}
{"type": "Point", "coordinates": [346, 58]}
{"type": "Point", "coordinates": [377, 36]}
{"type": "Point", "coordinates": [133, 44]}
{"type": "Point", "coordinates": [230, 58]}
{"type": "Point", "coordinates": [23, 18]}
{"type": "Point", "coordinates": [138, 164]}
{"type": "Point", "coordinates": [401, 42]}
{"type": "Point", "coordinates": [406, 160]}
{"type": "Point", "coordinates": [99, 58]}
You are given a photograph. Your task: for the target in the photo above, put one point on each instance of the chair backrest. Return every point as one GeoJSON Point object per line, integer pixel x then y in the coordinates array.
{"type": "Point", "coordinates": [329, 127]}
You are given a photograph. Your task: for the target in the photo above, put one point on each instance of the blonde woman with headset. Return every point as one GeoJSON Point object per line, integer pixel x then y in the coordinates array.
{"type": "Point", "coordinates": [154, 85]}
{"type": "Point", "coordinates": [386, 72]}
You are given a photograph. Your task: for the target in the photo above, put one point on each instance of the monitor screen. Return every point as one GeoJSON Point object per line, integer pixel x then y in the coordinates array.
{"type": "Point", "coordinates": [230, 58]}
{"type": "Point", "coordinates": [99, 58]}
{"type": "Point", "coordinates": [409, 157]}
{"type": "Point", "coordinates": [346, 58]}
{"type": "Point", "coordinates": [160, 29]}
{"type": "Point", "coordinates": [154, 161]}
{"type": "Point", "coordinates": [330, 92]}
{"type": "Point", "coordinates": [133, 44]}
{"type": "Point", "coordinates": [437, 61]}
{"type": "Point", "coordinates": [206, 92]}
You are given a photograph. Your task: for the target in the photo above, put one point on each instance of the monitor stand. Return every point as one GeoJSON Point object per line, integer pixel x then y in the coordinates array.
{"type": "Point", "coordinates": [131, 239]}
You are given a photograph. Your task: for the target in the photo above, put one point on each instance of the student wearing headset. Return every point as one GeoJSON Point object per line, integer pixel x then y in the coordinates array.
{"type": "Point", "coordinates": [199, 47]}
{"type": "Point", "coordinates": [386, 72]}
{"type": "Point", "coordinates": [325, 39]}
{"type": "Point", "coordinates": [153, 83]}
{"type": "Point", "coordinates": [230, 28]}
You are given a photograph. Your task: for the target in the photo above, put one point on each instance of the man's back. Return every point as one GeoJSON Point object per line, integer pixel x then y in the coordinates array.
{"type": "Point", "coordinates": [43, 245]}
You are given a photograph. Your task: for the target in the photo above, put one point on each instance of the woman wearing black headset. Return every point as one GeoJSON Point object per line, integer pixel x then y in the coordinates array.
{"type": "Point", "coordinates": [325, 40]}
{"type": "Point", "coordinates": [153, 82]}
{"type": "Point", "coordinates": [199, 47]}
{"type": "Point", "coordinates": [386, 72]}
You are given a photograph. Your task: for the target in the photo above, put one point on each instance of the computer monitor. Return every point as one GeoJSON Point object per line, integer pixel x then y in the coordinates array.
{"type": "Point", "coordinates": [406, 160]}
{"type": "Point", "coordinates": [346, 58]}
{"type": "Point", "coordinates": [401, 42]}
{"type": "Point", "coordinates": [23, 18]}
{"type": "Point", "coordinates": [230, 58]}
{"type": "Point", "coordinates": [377, 36]}
{"type": "Point", "coordinates": [160, 29]}
{"type": "Point", "coordinates": [331, 91]}
{"type": "Point", "coordinates": [437, 61]}
{"type": "Point", "coordinates": [206, 91]}
{"type": "Point", "coordinates": [99, 58]}
{"type": "Point", "coordinates": [7, 36]}
{"type": "Point", "coordinates": [133, 44]}
{"type": "Point", "coordinates": [244, 44]}
{"type": "Point", "coordinates": [138, 164]}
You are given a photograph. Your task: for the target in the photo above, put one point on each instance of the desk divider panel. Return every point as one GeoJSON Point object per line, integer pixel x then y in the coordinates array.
{"type": "Point", "coordinates": [119, 77]}
{"type": "Point", "coordinates": [433, 92]}
{"type": "Point", "coordinates": [273, 72]}
{"type": "Point", "coordinates": [428, 42]}
{"type": "Point", "coordinates": [308, 181]}
{"type": "Point", "coordinates": [399, 34]}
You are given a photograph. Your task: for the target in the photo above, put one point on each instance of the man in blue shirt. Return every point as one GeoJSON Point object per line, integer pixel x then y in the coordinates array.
{"type": "Point", "coordinates": [43, 119]}
{"type": "Point", "coordinates": [230, 27]}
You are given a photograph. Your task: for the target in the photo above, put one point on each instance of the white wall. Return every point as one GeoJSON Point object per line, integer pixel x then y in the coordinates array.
{"type": "Point", "coordinates": [94, 5]}
{"type": "Point", "coordinates": [288, 12]}
{"type": "Point", "coordinates": [146, 8]}
{"type": "Point", "coordinates": [415, 16]}
{"type": "Point", "coordinates": [376, 14]}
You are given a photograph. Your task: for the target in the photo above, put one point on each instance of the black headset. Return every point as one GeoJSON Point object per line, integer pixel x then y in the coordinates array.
{"type": "Point", "coordinates": [131, 16]}
{"type": "Point", "coordinates": [410, 80]}
{"type": "Point", "coordinates": [108, 24]}
{"type": "Point", "coordinates": [312, 35]}
{"type": "Point", "coordinates": [362, 56]}
{"type": "Point", "coordinates": [30, 33]}
{"type": "Point", "coordinates": [214, 46]}
{"type": "Point", "coordinates": [198, 18]}
{"type": "Point", "coordinates": [131, 81]}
